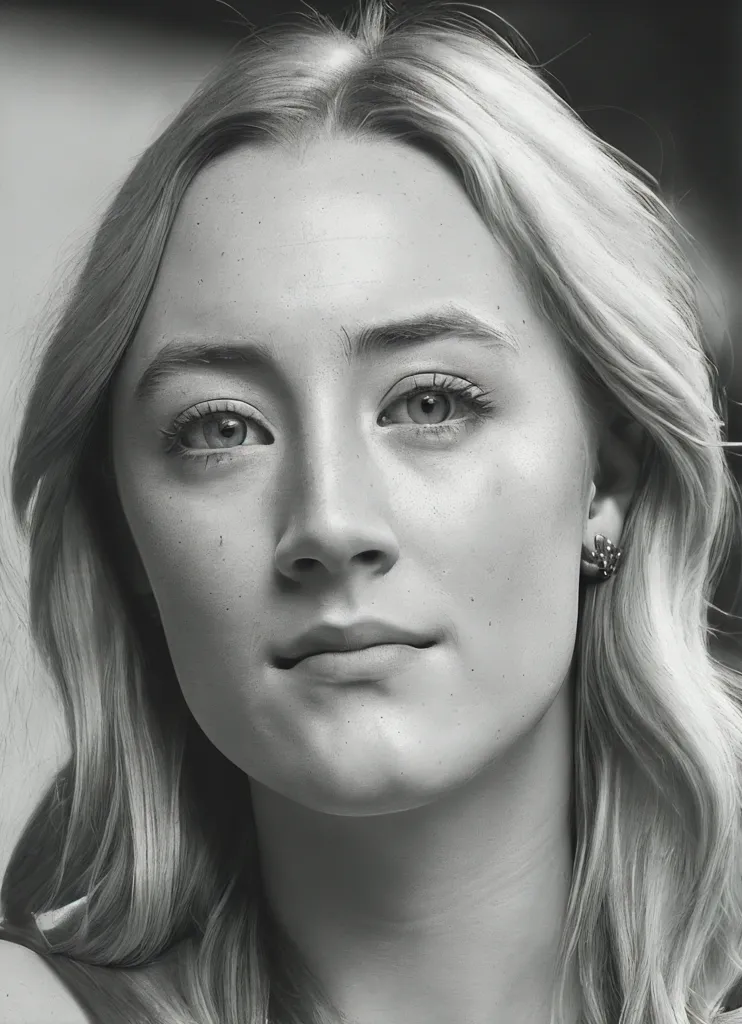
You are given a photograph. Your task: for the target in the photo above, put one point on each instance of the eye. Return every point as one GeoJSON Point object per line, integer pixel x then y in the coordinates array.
{"type": "Point", "coordinates": [214, 426]}
{"type": "Point", "coordinates": [219, 430]}
{"type": "Point", "coordinates": [428, 406]}
{"type": "Point", "coordinates": [443, 400]}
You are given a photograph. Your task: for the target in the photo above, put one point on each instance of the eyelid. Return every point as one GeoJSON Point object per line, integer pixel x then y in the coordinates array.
{"type": "Point", "coordinates": [437, 380]}
{"type": "Point", "coordinates": [214, 406]}
{"type": "Point", "coordinates": [426, 379]}
{"type": "Point", "coordinates": [478, 400]}
{"type": "Point", "coordinates": [200, 411]}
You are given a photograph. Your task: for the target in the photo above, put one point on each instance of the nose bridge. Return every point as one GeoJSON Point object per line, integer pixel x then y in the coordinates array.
{"type": "Point", "coordinates": [327, 455]}
{"type": "Point", "coordinates": [332, 479]}
{"type": "Point", "coordinates": [336, 514]}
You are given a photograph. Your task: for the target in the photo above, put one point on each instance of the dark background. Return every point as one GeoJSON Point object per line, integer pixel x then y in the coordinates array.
{"type": "Point", "coordinates": [658, 80]}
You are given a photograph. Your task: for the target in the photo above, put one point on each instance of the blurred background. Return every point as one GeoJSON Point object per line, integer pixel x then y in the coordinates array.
{"type": "Point", "coordinates": [84, 87]}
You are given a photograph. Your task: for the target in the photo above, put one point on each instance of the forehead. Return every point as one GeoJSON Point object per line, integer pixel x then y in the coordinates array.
{"type": "Point", "coordinates": [322, 219]}
{"type": "Point", "coordinates": [277, 245]}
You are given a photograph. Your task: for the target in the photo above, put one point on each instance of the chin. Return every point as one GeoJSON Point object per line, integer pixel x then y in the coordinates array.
{"type": "Point", "coordinates": [365, 790]}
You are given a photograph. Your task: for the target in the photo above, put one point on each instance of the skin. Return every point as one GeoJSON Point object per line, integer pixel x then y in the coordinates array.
{"type": "Point", "coordinates": [414, 830]}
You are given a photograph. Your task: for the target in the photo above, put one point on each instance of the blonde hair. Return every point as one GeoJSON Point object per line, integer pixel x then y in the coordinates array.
{"type": "Point", "coordinates": [654, 921]}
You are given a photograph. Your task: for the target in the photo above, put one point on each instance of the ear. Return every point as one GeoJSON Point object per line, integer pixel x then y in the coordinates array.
{"type": "Point", "coordinates": [619, 461]}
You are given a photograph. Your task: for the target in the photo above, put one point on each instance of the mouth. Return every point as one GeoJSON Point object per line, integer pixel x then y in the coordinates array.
{"type": "Point", "coordinates": [348, 638]}
{"type": "Point", "coordinates": [288, 662]}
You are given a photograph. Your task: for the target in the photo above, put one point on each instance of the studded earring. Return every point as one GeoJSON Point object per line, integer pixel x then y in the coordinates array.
{"type": "Point", "coordinates": [603, 562]}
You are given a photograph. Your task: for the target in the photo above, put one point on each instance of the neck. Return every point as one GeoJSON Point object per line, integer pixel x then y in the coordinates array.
{"type": "Point", "coordinates": [452, 910]}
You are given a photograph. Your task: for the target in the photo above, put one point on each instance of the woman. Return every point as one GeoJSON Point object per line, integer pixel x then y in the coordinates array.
{"type": "Point", "coordinates": [380, 497]}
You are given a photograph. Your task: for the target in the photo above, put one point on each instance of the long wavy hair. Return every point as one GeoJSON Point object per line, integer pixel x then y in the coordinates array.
{"type": "Point", "coordinates": [141, 821]}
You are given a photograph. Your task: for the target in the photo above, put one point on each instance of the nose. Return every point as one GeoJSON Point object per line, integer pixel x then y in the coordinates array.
{"type": "Point", "coordinates": [336, 525]}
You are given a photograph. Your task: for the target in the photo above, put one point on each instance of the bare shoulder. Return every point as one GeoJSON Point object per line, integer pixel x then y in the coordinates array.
{"type": "Point", "coordinates": [30, 991]}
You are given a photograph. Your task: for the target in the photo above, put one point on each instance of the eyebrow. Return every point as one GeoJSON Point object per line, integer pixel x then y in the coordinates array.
{"type": "Point", "coordinates": [181, 354]}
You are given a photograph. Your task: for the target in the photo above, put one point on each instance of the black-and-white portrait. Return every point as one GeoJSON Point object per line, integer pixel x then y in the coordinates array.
{"type": "Point", "coordinates": [370, 546]}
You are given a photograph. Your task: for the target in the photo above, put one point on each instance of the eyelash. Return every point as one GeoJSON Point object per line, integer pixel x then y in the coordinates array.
{"type": "Point", "coordinates": [479, 403]}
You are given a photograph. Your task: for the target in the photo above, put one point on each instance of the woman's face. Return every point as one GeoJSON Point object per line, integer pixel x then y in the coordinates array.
{"type": "Point", "coordinates": [437, 482]}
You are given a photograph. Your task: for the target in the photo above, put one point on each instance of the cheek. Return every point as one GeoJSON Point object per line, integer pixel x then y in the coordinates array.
{"type": "Point", "coordinates": [210, 565]}
{"type": "Point", "coordinates": [209, 561]}
{"type": "Point", "coordinates": [504, 553]}
{"type": "Point", "coordinates": [489, 543]}
{"type": "Point", "coordinates": [510, 513]}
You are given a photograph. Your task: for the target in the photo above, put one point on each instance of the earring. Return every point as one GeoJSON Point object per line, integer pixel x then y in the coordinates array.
{"type": "Point", "coordinates": [603, 562]}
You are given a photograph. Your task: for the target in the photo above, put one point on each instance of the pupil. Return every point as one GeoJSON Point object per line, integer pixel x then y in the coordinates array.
{"type": "Point", "coordinates": [433, 408]}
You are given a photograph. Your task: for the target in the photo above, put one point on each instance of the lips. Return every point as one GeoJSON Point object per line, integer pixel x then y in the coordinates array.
{"type": "Point", "coordinates": [330, 637]}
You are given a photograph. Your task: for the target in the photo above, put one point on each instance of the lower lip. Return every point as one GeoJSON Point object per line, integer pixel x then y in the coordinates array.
{"type": "Point", "coordinates": [366, 664]}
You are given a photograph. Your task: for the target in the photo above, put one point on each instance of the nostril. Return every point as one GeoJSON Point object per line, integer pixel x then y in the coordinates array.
{"type": "Point", "coordinates": [303, 564]}
{"type": "Point", "coordinates": [368, 556]}
{"type": "Point", "coordinates": [279, 662]}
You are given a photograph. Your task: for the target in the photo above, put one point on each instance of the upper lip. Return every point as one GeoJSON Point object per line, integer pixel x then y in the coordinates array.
{"type": "Point", "coordinates": [348, 637]}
